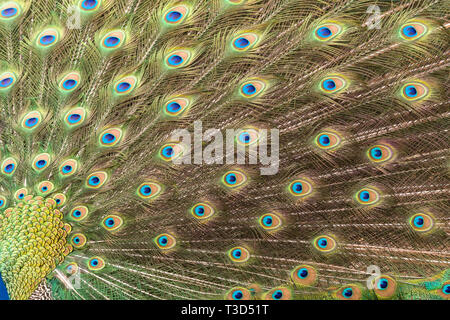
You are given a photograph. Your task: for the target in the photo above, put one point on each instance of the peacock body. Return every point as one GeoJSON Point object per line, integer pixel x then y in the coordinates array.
{"type": "Point", "coordinates": [333, 183]}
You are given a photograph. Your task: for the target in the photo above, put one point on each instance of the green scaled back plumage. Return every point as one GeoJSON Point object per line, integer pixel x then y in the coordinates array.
{"type": "Point", "coordinates": [93, 204]}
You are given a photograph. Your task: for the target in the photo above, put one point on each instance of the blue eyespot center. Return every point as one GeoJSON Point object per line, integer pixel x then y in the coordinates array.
{"type": "Point", "coordinates": [89, 4]}
{"type": "Point", "coordinates": [249, 89]}
{"type": "Point", "coordinates": [297, 187]}
{"type": "Point", "coordinates": [108, 138]}
{"type": "Point", "coordinates": [383, 284]}
{"type": "Point", "coordinates": [46, 40]}
{"type": "Point", "coordinates": [241, 43]}
{"type": "Point", "coordinates": [418, 221]}
{"type": "Point", "coordinates": [58, 201]}
{"type": "Point", "coordinates": [146, 190]}
{"type": "Point", "coordinates": [110, 222]}
{"type": "Point", "coordinates": [446, 289]}
{"type": "Point", "coordinates": [74, 118]}
{"type": "Point", "coordinates": [324, 32]}
{"type": "Point", "coordinates": [237, 253]}
{"type": "Point", "coordinates": [111, 41]}
{"type": "Point", "coordinates": [163, 240]}
{"type": "Point", "coordinates": [21, 196]}
{"type": "Point", "coordinates": [6, 82]}
{"type": "Point", "coordinates": [277, 295]}
{"type": "Point", "coordinates": [94, 180]}
{"type": "Point", "coordinates": [302, 273]}
{"type": "Point", "coordinates": [329, 84]}
{"type": "Point", "coordinates": [9, 12]}
{"type": "Point", "coordinates": [200, 210]}
{"type": "Point", "coordinates": [324, 140]}
{"type": "Point", "coordinates": [44, 188]}
{"type": "Point", "coordinates": [9, 168]}
{"type": "Point", "coordinates": [123, 86]}
{"type": "Point", "coordinates": [173, 107]}
{"type": "Point", "coordinates": [175, 60]}
{"type": "Point", "coordinates": [376, 153]}
{"type": "Point", "coordinates": [347, 293]}
{"type": "Point", "coordinates": [1, 202]}
{"type": "Point", "coordinates": [94, 262]}
{"type": "Point", "coordinates": [244, 137]}
{"type": "Point", "coordinates": [77, 213]}
{"type": "Point", "coordinates": [231, 178]}
{"type": "Point", "coordinates": [411, 91]}
{"type": "Point", "coordinates": [69, 84]}
{"type": "Point", "coordinates": [76, 240]}
{"type": "Point", "coordinates": [238, 295]}
{"type": "Point", "coordinates": [67, 169]}
{"type": "Point", "coordinates": [409, 31]}
{"type": "Point", "coordinates": [173, 16]}
{"type": "Point", "coordinates": [41, 163]}
{"type": "Point", "coordinates": [268, 221]}
{"type": "Point", "coordinates": [364, 196]}
{"type": "Point", "coordinates": [31, 122]}
{"type": "Point", "coordinates": [168, 152]}
{"type": "Point", "coordinates": [322, 243]}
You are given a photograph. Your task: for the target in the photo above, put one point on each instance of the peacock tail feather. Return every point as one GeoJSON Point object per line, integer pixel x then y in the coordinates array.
{"type": "Point", "coordinates": [99, 199]}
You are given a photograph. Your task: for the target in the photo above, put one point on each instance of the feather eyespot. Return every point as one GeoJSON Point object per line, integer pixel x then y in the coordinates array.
{"type": "Point", "coordinates": [234, 179]}
{"type": "Point", "coordinates": [244, 41]}
{"type": "Point", "coordinates": [325, 243]}
{"type": "Point", "coordinates": [175, 107]}
{"type": "Point", "coordinates": [149, 190]}
{"type": "Point", "coordinates": [10, 10]}
{"type": "Point", "coordinates": [414, 91]}
{"type": "Point", "coordinates": [96, 263]}
{"type": "Point", "coordinates": [72, 268]}
{"type": "Point", "coordinates": [9, 166]}
{"type": "Point", "coordinates": [79, 213]}
{"type": "Point", "coordinates": [202, 211]}
{"type": "Point", "coordinates": [31, 120]}
{"type": "Point", "coordinates": [110, 137]}
{"type": "Point", "coordinates": [96, 180]}
{"type": "Point", "coordinates": [238, 293]}
{"type": "Point", "coordinates": [445, 290]}
{"type": "Point", "coordinates": [421, 222]}
{"type": "Point", "coordinates": [239, 254]}
{"type": "Point", "coordinates": [113, 40]}
{"type": "Point", "coordinates": [253, 88]}
{"type": "Point", "coordinates": [171, 151]}
{"type": "Point", "coordinates": [413, 31]}
{"type": "Point", "coordinates": [280, 293]}
{"type": "Point", "coordinates": [75, 117]}
{"type": "Point", "coordinates": [333, 84]}
{"type": "Point", "coordinates": [380, 153]}
{"type": "Point", "coordinates": [21, 194]}
{"type": "Point", "coordinates": [7, 80]}
{"type": "Point", "coordinates": [270, 221]}
{"type": "Point", "coordinates": [327, 31]}
{"type": "Point", "coordinates": [247, 137]}
{"type": "Point", "coordinates": [45, 187]}
{"type": "Point", "coordinates": [68, 168]}
{"type": "Point", "coordinates": [2, 202]}
{"type": "Point", "coordinates": [176, 15]}
{"type": "Point", "coordinates": [47, 38]}
{"type": "Point", "coordinates": [125, 85]}
{"type": "Point", "coordinates": [304, 275]}
{"type": "Point", "coordinates": [60, 199]}
{"type": "Point", "coordinates": [385, 286]}
{"type": "Point", "coordinates": [350, 292]}
{"type": "Point", "coordinates": [327, 140]}
{"type": "Point", "coordinates": [112, 222]}
{"type": "Point", "coordinates": [41, 162]}
{"type": "Point", "coordinates": [78, 240]}
{"type": "Point", "coordinates": [70, 82]}
{"type": "Point", "coordinates": [89, 5]}
{"type": "Point", "coordinates": [300, 188]}
{"type": "Point", "coordinates": [367, 196]}
{"type": "Point", "coordinates": [165, 241]}
{"type": "Point", "coordinates": [178, 58]}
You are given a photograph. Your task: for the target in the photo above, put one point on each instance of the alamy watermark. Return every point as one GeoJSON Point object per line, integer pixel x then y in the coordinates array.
{"type": "Point", "coordinates": [234, 148]}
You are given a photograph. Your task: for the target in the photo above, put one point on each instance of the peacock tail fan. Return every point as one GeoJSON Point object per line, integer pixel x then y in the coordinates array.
{"type": "Point", "coordinates": [224, 149]}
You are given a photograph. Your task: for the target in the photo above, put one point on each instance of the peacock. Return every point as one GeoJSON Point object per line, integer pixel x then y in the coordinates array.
{"type": "Point", "coordinates": [224, 149]}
